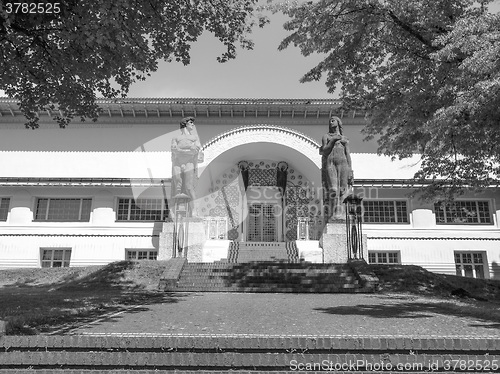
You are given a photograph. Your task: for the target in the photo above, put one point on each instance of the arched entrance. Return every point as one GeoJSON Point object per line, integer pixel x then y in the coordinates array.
{"type": "Point", "coordinates": [245, 193]}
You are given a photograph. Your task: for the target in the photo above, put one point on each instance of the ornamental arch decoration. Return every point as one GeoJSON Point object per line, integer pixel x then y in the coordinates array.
{"type": "Point", "coordinates": [274, 138]}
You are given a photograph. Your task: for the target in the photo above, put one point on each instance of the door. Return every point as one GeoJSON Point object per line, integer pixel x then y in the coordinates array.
{"type": "Point", "coordinates": [262, 223]}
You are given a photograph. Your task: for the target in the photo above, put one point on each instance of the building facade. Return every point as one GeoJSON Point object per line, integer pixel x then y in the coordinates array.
{"type": "Point", "coordinates": [98, 192]}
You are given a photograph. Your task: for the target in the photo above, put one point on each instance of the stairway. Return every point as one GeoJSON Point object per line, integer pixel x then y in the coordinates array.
{"type": "Point", "coordinates": [263, 251]}
{"type": "Point", "coordinates": [150, 353]}
{"type": "Point", "coordinates": [267, 277]}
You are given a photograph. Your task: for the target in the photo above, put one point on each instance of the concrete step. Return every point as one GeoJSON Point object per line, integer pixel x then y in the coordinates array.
{"type": "Point", "coordinates": [125, 353]}
{"type": "Point", "coordinates": [267, 277]}
{"type": "Point", "coordinates": [242, 252]}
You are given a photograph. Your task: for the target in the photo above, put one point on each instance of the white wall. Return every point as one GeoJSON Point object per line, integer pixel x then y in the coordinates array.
{"type": "Point", "coordinates": [99, 241]}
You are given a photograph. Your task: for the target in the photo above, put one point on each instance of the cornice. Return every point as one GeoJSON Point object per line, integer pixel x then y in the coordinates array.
{"type": "Point", "coordinates": [82, 182]}
{"type": "Point", "coordinates": [151, 108]}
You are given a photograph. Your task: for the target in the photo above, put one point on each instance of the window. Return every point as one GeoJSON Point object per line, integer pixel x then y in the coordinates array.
{"type": "Point", "coordinates": [469, 264]}
{"type": "Point", "coordinates": [385, 257]}
{"type": "Point", "coordinates": [385, 211]}
{"type": "Point", "coordinates": [142, 210]}
{"type": "Point", "coordinates": [4, 208]}
{"type": "Point", "coordinates": [70, 210]}
{"type": "Point", "coordinates": [55, 257]}
{"type": "Point", "coordinates": [141, 254]}
{"type": "Point", "coordinates": [215, 227]}
{"type": "Point", "coordinates": [463, 211]}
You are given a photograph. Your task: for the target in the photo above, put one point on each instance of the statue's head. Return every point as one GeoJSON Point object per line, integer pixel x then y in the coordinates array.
{"type": "Point", "coordinates": [185, 121]}
{"type": "Point", "coordinates": [335, 122]}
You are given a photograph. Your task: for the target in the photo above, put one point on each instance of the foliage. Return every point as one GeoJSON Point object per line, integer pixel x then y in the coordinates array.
{"type": "Point", "coordinates": [428, 72]}
{"type": "Point", "coordinates": [61, 61]}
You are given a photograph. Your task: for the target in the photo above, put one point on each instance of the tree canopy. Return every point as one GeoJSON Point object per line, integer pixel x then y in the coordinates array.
{"type": "Point", "coordinates": [62, 54]}
{"type": "Point", "coordinates": [427, 72]}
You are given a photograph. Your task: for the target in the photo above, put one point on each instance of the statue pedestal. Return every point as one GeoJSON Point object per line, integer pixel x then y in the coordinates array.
{"type": "Point", "coordinates": [196, 238]}
{"type": "Point", "coordinates": [166, 242]}
{"type": "Point", "coordinates": [334, 242]}
{"type": "Point", "coordinates": [191, 236]}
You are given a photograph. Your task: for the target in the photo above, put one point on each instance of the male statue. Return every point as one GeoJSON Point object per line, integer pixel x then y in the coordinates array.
{"type": "Point", "coordinates": [185, 151]}
{"type": "Point", "coordinates": [336, 167]}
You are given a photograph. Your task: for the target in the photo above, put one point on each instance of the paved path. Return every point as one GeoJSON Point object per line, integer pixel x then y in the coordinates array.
{"type": "Point", "coordinates": [293, 314]}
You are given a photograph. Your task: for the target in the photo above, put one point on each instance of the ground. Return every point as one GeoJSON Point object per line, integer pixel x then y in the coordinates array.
{"type": "Point", "coordinates": [123, 295]}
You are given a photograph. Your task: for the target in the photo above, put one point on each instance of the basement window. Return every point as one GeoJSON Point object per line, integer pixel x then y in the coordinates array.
{"type": "Point", "coordinates": [55, 257]}
{"type": "Point", "coordinates": [384, 257]}
{"type": "Point", "coordinates": [470, 264]}
{"type": "Point", "coordinates": [141, 254]}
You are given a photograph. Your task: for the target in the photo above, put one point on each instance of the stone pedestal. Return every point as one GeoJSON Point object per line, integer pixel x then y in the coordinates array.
{"type": "Point", "coordinates": [193, 240]}
{"type": "Point", "coordinates": [364, 239]}
{"type": "Point", "coordinates": [334, 242]}
{"type": "Point", "coordinates": [196, 238]}
{"type": "Point", "coordinates": [166, 242]}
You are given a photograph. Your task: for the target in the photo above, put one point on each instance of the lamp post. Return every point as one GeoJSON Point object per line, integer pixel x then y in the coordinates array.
{"type": "Point", "coordinates": [354, 218]}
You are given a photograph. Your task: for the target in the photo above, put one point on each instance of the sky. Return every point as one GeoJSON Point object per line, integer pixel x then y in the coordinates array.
{"type": "Point", "coordinates": [263, 72]}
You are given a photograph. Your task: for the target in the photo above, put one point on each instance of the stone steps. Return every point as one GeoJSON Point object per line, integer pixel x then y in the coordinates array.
{"type": "Point", "coordinates": [263, 251]}
{"type": "Point", "coordinates": [267, 277]}
{"type": "Point", "coordinates": [148, 353]}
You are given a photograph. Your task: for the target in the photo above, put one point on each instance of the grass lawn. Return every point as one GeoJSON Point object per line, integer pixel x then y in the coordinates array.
{"type": "Point", "coordinates": [42, 300]}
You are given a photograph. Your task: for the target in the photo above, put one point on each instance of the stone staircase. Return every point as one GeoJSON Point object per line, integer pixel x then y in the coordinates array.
{"type": "Point", "coordinates": [300, 277]}
{"type": "Point", "coordinates": [263, 251]}
{"type": "Point", "coordinates": [150, 353]}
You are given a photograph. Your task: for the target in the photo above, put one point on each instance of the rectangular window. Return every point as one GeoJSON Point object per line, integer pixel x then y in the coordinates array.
{"type": "Point", "coordinates": [385, 211]}
{"type": "Point", "coordinates": [55, 257]}
{"type": "Point", "coordinates": [383, 257]}
{"type": "Point", "coordinates": [63, 210]}
{"type": "Point", "coordinates": [215, 227]}
{"type": "Point", "coordinates": [463, 212]}
{"type": "Point", "coordinates": [469, 264]}
{"type": "Point", "coordinates": [141, 254]}
{"type": "Point", "coordinates": [4, 208]}
{"type": "Point", "coordinates": [142, 210]}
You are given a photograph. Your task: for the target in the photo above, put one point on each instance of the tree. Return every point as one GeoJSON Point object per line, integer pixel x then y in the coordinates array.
{"type": "Point", "coordinates": [60, 55]}
{"type": "Point", "coordinates": [428, 72]}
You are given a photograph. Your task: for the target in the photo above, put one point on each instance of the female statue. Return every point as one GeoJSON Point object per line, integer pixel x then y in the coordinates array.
{"type": "Point", "coordinates": [336, 167]}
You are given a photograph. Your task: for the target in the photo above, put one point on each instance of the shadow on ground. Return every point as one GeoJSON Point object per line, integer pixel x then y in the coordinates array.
{"type": "Point", "coordinates": [487, 315]}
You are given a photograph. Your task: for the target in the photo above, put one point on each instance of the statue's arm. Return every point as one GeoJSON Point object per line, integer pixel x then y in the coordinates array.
{"type": "Point", "coordinates": [201, 156]}
{"type": "Point", "coordinates": [348, 154]}
{"type": "Point", "coordinates": [327, 144]}
{"type": "Point", "coordinates": [173, 148]}
{"type": "Point", "coordinates": [197, 144]}
{"type": "Point", "coordinates": [173, 145]}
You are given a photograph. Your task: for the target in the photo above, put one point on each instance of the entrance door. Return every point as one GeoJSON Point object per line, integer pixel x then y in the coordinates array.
{"type": "Point", "coordinates": [262, 223]}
